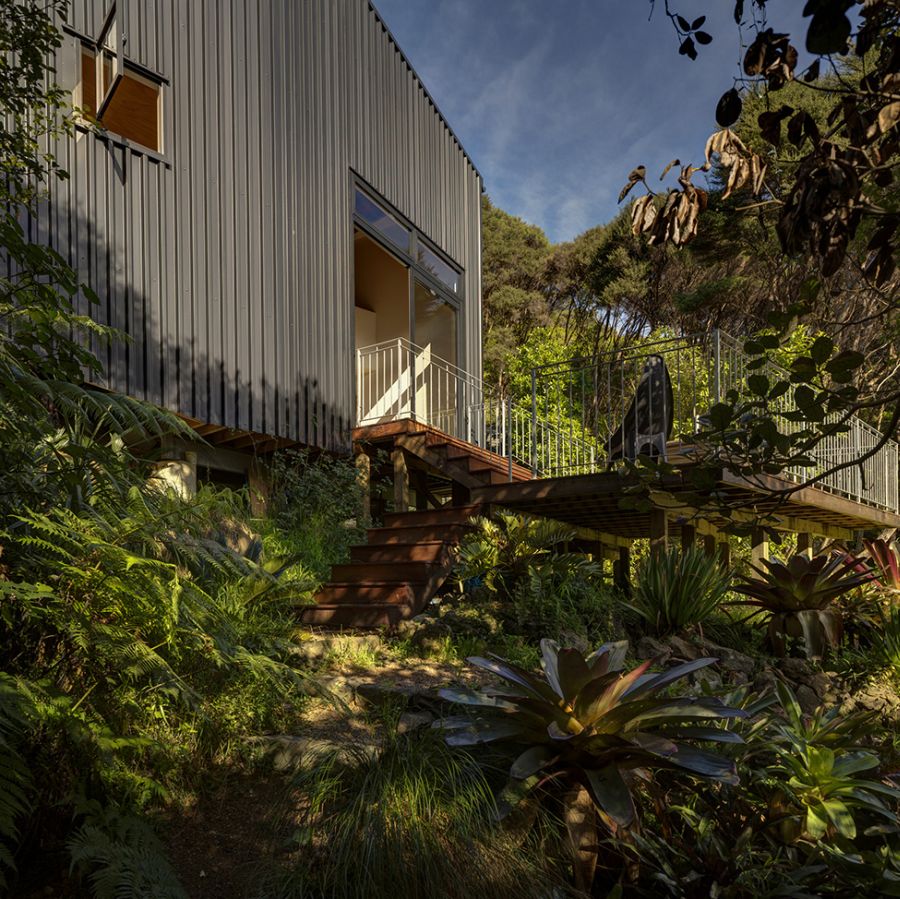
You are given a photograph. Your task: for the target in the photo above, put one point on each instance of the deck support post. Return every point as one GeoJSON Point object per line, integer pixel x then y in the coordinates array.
{"type": "Point", "coordinates": [709, 546]}
{"type": "Point", "coordinates": [759, 546]}
{"type": "Point", "coordinates": [622, 570]}
{"type": "Point", "coordinates": [259, 485]}
{"type": "Point", "coordinates": [659, 530]}
{"type": "Point", "coordinates": [401, 481]}
{"type": "Point", "coordinates": [724, 553]}
{"type": "Point", "coordinates": [419, 480]}
{"type": "Point", "coordinates": [460, 495]}
{"type": "Point", "coordinates": [364, 478]}
{"type": "Point", "coordinates": [804, 543]}
{"type": "Point", "coordinates": [688, 537]}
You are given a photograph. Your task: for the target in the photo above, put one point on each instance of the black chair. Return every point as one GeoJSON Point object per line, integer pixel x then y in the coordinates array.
{"type": "Point", "coordinates": [647, 425]}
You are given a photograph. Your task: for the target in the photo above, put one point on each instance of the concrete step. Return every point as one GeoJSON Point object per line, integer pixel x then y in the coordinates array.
{"type": "Point", "coordinates": [426, 551]}
{"type": "Point", "coordinates": [404, 571]}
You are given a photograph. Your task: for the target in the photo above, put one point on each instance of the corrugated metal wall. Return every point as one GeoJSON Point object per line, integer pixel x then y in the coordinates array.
{"type": "Point", "coordinates": [229, 257]}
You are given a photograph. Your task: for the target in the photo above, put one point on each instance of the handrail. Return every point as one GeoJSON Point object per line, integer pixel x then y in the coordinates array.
{"type": "Point", "coordinates": [577, 406]}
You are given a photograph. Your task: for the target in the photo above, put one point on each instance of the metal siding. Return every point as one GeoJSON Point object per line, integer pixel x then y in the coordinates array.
{"type": "Point", "coordinates": [229, 259]}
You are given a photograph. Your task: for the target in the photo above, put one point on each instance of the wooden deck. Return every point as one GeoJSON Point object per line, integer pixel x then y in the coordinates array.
{"type": "Point", "coordinates": [595, 501]}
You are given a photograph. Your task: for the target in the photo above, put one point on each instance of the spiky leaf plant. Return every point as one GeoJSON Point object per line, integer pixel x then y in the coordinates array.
{"type": "Point", "coordinates": [885, 559]}
{"type": "Point", "coordinates": [797, 595]}
{"type": "Point", "coordinates": [584, 722]}
{"type": "Point", "coordinates": [889, 637]}
{"type": "Point", "coordinates": [678, 589]}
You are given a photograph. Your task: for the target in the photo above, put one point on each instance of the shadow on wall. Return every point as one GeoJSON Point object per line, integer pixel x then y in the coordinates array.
{"type": "Point", "coordinates": [204, 340]}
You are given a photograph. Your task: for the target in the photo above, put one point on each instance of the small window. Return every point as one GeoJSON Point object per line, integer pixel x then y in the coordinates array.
{"type": "Point", "coordinates": [132, 107]}
{"type": "Point", "coordinates": [435, 266]}
{"type": "Point", "coordinates": [380, 219]}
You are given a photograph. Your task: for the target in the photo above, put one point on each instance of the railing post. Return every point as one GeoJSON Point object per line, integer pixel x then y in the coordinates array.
{"type": "Point", "coordinates": [508, 436]}
{"type": "Point", "coordinates": [359, 400]}
{"type": "Point", "coordinates": [717, 365]}
{"type": "Point", "coordinates": [534, 456]}
{"type": "Point", "coordinates": [412, 382]}
{"type": "Point", "coordinates": [399, 376]}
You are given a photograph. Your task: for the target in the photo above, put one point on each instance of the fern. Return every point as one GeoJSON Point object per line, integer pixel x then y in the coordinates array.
{"type": "Point", "coordinates": [122, 857]}
{"type": "Point", "coordinates": [15, 777]}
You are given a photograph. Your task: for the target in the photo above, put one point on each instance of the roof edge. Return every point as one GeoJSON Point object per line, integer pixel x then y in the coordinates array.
{"type": "Point", "coordinates": [380, 19]}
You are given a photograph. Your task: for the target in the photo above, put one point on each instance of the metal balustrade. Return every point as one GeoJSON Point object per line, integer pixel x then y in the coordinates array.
{"type": "Point", "coordinates": [574, 422]}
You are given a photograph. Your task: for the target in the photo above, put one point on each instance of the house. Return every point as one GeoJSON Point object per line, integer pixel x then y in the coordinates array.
{"type": "Point", "coordinates": [277, 214]}
{"type": "Point", "coordinates": [270, 187]}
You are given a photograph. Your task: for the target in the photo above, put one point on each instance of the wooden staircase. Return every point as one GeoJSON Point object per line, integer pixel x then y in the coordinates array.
{"type": "Point", "coordinates": [404, 563]}
{"type": "Point", "coordinates": [396, 573]}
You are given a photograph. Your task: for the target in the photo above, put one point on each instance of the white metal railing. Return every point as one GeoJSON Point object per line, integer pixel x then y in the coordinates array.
{"type": "Point", "coordinates": [872, 482]}
{"type": "Point", "coordinates": [565, 427]}
{"type": "Point", "coordinates": [396, 379]}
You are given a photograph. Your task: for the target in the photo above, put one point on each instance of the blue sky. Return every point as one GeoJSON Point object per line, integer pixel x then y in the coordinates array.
{"type": "Point", "coordinates": [557, 100]}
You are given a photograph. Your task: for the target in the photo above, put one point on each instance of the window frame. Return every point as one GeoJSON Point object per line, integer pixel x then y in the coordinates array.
{"type": "Point", "coordinates": [409, 260]}
{"type": "Point", "coordinates": [410, 256]}
{"type": "Point", "coordinates": [115, 19]}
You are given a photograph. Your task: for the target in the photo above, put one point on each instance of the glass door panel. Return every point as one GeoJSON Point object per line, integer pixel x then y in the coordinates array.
{"type": "Point", "coordinates": [434, 329]}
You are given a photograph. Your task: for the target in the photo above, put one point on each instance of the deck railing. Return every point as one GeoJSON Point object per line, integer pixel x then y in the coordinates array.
{"type": "Point", "coordinates": [576, 415]}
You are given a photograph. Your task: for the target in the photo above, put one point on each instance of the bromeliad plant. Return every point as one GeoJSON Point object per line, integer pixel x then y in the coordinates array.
{"type": "Point", "coordinates": [678, 589]}
{"type": "Point", "coordinates": [586, 723]}
{"type": "Point", "coordinates": [886, 563]}
{"type": "Point", "coordinates": [797, 596]}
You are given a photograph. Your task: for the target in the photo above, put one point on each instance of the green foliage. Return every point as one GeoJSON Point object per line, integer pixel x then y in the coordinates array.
{"type": "Point", "coordinates": [755, 838]}
{"type": "Point", "coordinates": [889, 648]}
{"type": "Point", "coordinates": [514, 256]}
{"type": "Point", "coordinates": [797, 596]}
{"type": "Point", "coordinates": [15, 776]}
{"type": "Point", "coordinates": [123, 857]}
{"type": "Point", "coordinates": [413, 806]}
{"type": "Point", "coordinates": [821, 788]}
{"type": "Point", "coordinates": [522, 562]}
{"type": "Point", "coordinates": [585, 722]}
{"type": "Point", "coordinates": [676, 590]}
{"type": "Point", "coordinates": [885, 558]}
{"type": "Point", "coordinates": [317, 510]}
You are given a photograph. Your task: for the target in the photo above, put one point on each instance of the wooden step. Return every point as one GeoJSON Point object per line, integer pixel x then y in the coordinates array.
{"type": "Point", "coordinates": [452, 533]}
{"type": "Point", "coordinates": [380, 592]}
{"type": "Point", "coordinates": [367, 614]}
{"type": "Point", "coordinates": [445, 515]}
{"type": "Point", "coordinates": [404, 572]}
{"type": "Point", "coordinates": [426, 551]}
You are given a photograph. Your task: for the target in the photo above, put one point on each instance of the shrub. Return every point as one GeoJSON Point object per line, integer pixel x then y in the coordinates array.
{"type": "Point", "coordinates": [522, 563]}
{"type": "Point", "coordinates": [797, 596]}
{"type": "Point", "coordinates": [316, 511]}
{"type": "Point", "coordinates": [808, 818]}
{"type": "Point", "coordinates": [411, 818]}
{"type": "Point", "coordinates": [676, 590]}
{"type": "Point", "coordinates": [582, 728]}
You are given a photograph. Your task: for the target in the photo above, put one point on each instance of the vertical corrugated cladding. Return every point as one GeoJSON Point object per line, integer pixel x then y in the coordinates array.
{"type": "Point", "coordinates": [228, 256]}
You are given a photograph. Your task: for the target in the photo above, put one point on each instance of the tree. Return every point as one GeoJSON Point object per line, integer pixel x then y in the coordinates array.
{"type": "Point", "coordinates": [514, 259]}
{"type": "Point", "coordinates": [824, 199]}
